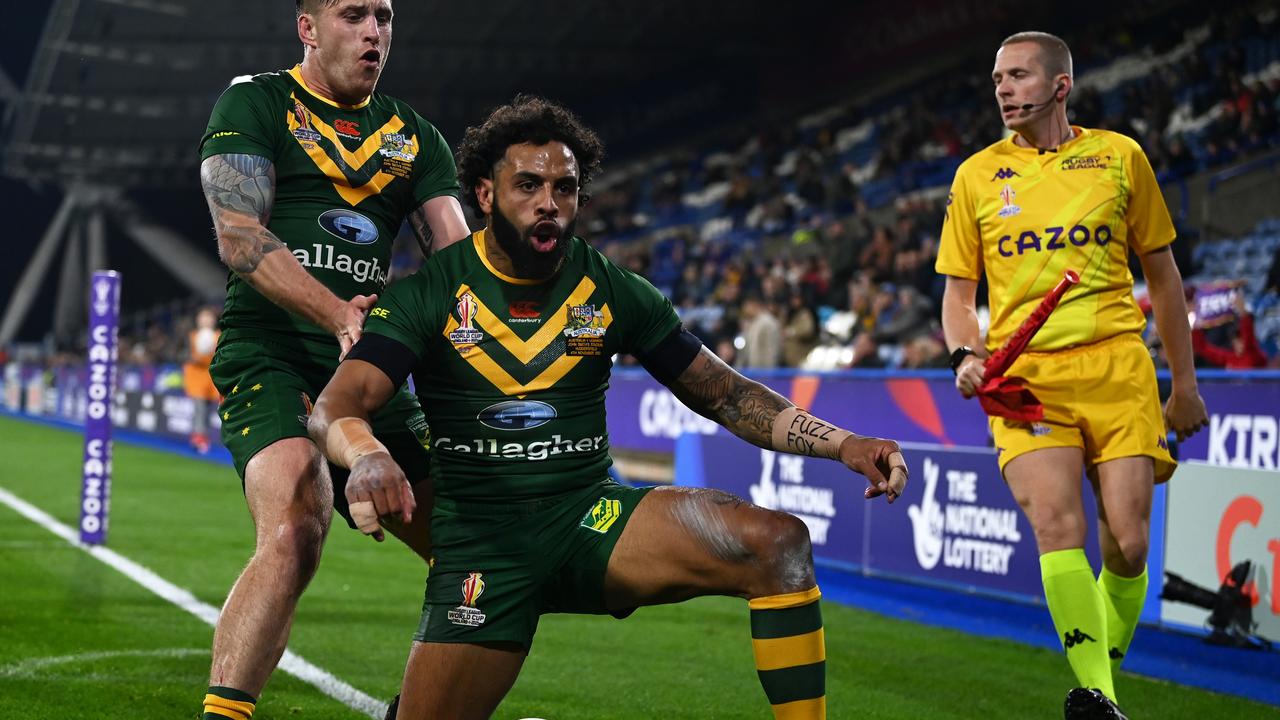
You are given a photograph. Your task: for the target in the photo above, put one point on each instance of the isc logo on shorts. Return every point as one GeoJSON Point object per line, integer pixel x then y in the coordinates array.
{"type": "Point", "coordinates": [602, 515]}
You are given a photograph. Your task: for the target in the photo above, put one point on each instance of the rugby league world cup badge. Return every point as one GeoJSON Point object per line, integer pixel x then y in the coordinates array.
{"type": "Point", "coordinates": [466, 335]}
{"type": "Point", "coordinates": [467, 614]}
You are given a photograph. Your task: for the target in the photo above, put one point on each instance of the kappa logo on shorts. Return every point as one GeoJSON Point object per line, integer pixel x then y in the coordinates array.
{"type": "Point", "coordinates": [466, 614]}
{"type": "Point", "coordinates": [602, 515]}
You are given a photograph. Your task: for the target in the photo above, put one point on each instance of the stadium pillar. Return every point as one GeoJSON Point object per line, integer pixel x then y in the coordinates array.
{"type": "Point", "coordinates": [24, 294]}
{"type": "Point", "coordinates": [68, 312]}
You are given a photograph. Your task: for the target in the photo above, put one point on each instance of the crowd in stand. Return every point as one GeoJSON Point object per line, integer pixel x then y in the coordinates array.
{"type": "Point", "coordinates": [822, 233]}
{"type": "Point", "coordinates": [796, 235]}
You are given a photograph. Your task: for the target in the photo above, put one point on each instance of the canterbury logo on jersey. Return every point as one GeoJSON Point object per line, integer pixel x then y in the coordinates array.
{"type": "Point", "coordinates": [524, 352]}
{"type": "Point", "coordinates": [360, 174]}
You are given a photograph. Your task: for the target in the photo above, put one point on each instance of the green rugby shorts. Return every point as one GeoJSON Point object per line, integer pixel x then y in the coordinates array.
{"type": "Point", "coordinates": [267, 391]}
{"type": "Point", "coordinates": [500, 566]}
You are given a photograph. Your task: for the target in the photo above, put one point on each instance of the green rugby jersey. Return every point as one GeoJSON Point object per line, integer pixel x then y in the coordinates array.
{"type": "Point", "coordinates": [512, 373]}
{"type": "Point", "coordinates": [346, 177]}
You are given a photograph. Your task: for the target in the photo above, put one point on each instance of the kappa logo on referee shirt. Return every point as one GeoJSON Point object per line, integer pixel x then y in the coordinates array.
{"type": "Point", "coordinates": [1005, 174]}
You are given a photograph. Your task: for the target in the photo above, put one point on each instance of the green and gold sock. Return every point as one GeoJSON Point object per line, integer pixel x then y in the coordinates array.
{"type": "Point", "coordinates": [1080, 616]}
{"type": "Point", "coordinates": [1124, 598]}
{"type": "Point", "coordinates": [791, 653]}
{"type": "Point", "coordinates": [223, 702]}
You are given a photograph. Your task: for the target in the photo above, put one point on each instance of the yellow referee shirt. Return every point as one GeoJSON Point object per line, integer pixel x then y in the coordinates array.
{"type": "Point", "coordinates": [1023, 216]}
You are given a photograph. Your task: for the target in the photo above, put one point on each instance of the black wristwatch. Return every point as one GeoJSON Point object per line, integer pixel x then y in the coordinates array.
{"type": "Point", "coordinates": [958, 356]}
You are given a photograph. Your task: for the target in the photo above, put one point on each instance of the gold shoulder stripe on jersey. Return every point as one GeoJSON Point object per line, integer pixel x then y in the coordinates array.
{"type": "Point", "coordinates": [553, 327]}
{"type": "Point", "coordinates": [342, 181]}
{"type": "Point", "coordinates": [523, 350]}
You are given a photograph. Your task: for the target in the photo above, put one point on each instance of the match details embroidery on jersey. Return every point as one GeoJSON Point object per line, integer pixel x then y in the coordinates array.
{"type": "Point", "coordinates": [356, 175]}
{"type": "Point", "coordinates": [556, 325]}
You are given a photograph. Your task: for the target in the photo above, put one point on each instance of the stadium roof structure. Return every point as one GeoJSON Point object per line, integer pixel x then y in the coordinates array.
{"type": "Point", "coordinates": [119, 90]}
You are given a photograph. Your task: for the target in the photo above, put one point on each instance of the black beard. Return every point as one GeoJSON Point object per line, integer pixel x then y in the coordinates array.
{"type": "Point", "coordinates": [525, 261]}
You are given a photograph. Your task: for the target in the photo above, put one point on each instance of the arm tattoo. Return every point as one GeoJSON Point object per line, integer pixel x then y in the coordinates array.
{"type": "Point", "coordinates": [421, 229]}
{"type": "Point", "coordinates": [240, 183]}
{"type": "Point", "coordinates": [244, 186]}
{"type": "Point", "coordinates": [716, 391]}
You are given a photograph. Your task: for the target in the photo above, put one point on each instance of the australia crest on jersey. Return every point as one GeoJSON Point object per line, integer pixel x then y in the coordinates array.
{"type": "Point", "coordinates": [398, 153]}
{"type": "Point", "coordinates": [466, 336]}
{"type": "Point", "coordinates": [304, 132]}
{"type": "Point", "coordinates": [467, 614]}
{"type": "Point", "coordinates": [584, 331]}
{"type": "Point", "coordinates": [1007, 196]}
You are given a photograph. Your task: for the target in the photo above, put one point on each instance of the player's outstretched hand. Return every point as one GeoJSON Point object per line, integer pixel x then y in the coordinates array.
{"type": "Point", "coordinates": [378, 488]}
{"type": "Point", "coordinates": [1184, 413]}
{"type": "Point", "coordinates": [880, 461]}
{"type": "Point", "coordinates": [969, 375]}
{"type": "Point", "coordinates": [350, 321]}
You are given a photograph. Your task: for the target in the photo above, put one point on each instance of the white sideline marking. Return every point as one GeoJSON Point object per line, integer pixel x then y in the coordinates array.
{"type": "Point", "coordinates": [29, 667]}
{"type": "Point", "coordinates": [291, 662]}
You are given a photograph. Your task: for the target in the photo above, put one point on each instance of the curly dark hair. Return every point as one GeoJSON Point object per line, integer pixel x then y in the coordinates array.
{"type": "Point", "coordinates": [531, 119]}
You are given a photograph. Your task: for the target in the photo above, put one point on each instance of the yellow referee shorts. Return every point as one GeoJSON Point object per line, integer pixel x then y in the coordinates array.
{"type": "Point", "coordinates": [1099, 397]}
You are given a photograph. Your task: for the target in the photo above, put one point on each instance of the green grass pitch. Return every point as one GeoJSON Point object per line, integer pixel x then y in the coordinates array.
{"type": "Point", "coordinates": [79, 640]}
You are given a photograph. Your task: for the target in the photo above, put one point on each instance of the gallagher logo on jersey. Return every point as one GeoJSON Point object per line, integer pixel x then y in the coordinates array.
{"type": "Point", "coordinates": [517, 415]}
{"type": "Point", "coordinates": [350, 226]}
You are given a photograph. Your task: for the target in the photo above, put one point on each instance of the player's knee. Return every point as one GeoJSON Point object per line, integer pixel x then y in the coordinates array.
{"type": "Point", "coordinates": [293, 547]}
{"type": "Point", "coordinates": [782, 545]}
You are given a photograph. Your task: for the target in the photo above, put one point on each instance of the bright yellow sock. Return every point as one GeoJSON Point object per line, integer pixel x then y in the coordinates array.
{"type": "Point", "coordinates": [223, 702]}
{"type": "Point", "coordinates": [791, 653]}
{"type": "Point", "coordinates": [1080, 616]}
{"type": "Point", "coordinates": [1124, 598]}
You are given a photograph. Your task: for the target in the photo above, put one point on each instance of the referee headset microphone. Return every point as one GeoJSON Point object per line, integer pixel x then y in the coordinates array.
{"type": "Point", "coordinates": [1033, 107]}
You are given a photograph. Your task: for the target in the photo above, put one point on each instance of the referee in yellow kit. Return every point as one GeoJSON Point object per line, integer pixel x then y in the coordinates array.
{"type": "Point", "coordinates": [1053, 197]}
